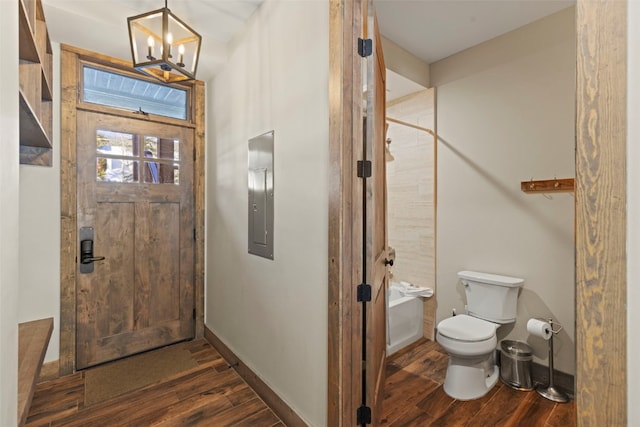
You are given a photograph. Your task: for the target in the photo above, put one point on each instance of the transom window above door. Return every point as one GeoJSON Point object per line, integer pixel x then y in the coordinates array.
{"type": "Point", "coordinates": [129, 93]}
{"type": "Point", "coordinates": [129, 158]}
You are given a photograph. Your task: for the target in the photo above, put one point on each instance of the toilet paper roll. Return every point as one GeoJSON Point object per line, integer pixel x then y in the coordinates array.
{"type": "Point", "coordinates": [539, 328]}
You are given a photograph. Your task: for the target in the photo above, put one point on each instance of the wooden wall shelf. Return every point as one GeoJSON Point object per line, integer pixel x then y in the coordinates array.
{"type": "Point", "coordinates": [564, 185]}
{"type": "Point", "coordinates": [36, 90]}
{"type": "Point", "coordinates": [31, 130]}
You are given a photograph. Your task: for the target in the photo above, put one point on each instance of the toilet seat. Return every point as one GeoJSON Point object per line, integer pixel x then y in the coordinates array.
{"type": "Point", "coordinates": [467, 328]}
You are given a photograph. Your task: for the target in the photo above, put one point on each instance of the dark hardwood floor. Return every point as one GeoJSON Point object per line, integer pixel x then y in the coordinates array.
{"type": "Point", "coordinates": [210, 395]}
{"type": "Point", "coordinates": [414, 397]}
{"type": "Point", "coordinates": [214, 395]}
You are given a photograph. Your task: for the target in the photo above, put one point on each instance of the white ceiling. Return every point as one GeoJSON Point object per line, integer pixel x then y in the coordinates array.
{"type": "Point", "coordinates": [430, 29]}
{"type": "Point", "coordinates": [435, 29]}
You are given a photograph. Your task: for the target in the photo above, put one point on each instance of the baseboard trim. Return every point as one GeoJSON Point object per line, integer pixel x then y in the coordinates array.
{"type": "Point", "coordinates": [277, 405]}
{"type": "Point", "coordinates": [50, 371]}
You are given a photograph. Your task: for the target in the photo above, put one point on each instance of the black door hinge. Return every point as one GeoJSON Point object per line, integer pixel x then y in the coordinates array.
{"type": "Point", "coordinates": [363, 416]}
{"type": "Point", "coordinates": [364, 168]}
{"type": "Point", "coordinates": [194, 235]}
{"type": "Point", "coordinates": [365, 47]}
{"type": "Point", "coordinates": [194, 314]}
{"type": "Point", "coordinates": [364, 293]}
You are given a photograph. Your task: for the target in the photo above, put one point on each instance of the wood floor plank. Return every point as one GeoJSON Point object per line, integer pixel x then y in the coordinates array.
{"type": "Point", "coordinates": [414, 416]}
{"type": "Point", "coordinates": [390, 369]}
{"type": "Point", "coordinates": [210, 383]}
{"type": "Point", "coordinates": [404, 357]}
{"type": "Point", "coordinates": [52, 396]}
{"type": "Point", "coordinates": [205, 389]}
{"type": "Point", "coordinates": [229, 417]}
{"type": "Point", "coordinates": [38, 423]}
{"type": "Point", "coordinates": [241, 394]}
{"type": "Point", "coordinates": [265, 417]}
{"type": "Point", "coordinates": [208, 356]}
{"type": "Point", "coordinates": [436, 403]}
{"type": "Point", "coordinates": [462, 412]}
{"type": "Point", "coordinates": [500, 408]}
{"type": "Point", "coordinates": [533, 412]}
{"type": "Point", "coordinates": [192, 407]}
{"type": "Point", "coordinates": [48, 417]}
{"type": "Point", "coordinates": [401, 391]}
{"type": "Point", "coordinates": [433, 366]}
{"type": "Point", "coordinates": [563, 415]}
{"type": "Point", "coordinates": [116, 413]}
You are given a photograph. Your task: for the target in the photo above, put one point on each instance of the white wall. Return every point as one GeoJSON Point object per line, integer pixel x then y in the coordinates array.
{"type": "Point", "coordinates": [404, 63]}
{"type": "Point", "coordinates": [273, 314]}
{"type": "Point", "coordinates": [9, 239]}
{"type": "Point", "coordinates": [39, 254]}
{"type": "Point", "coordinates": [505, 114]}
{"type": "Point", "coordinates": [633, 213]}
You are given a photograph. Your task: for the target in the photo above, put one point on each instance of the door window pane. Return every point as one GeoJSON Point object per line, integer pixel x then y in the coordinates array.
{"type": "Point", "coordinates": [116, 143]}
{"type": "Point", "coordinates": [161, 173]}
{"type": "Point", "coordinates": [116, 170]}
{"type": "Point", "coordinates": [161, 148]}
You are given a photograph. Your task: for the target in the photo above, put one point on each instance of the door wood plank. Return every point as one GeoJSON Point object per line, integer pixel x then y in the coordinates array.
{"type": "Point", "coordinates": [117, 222]}
{"type": "Point", "coordinates": [142, 298]}
{"type": "Point", "coordinates": [164, 266]}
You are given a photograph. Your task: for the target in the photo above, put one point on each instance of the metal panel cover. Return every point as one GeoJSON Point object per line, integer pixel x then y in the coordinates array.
{"type": "Point", "coordinates": [261, 195]}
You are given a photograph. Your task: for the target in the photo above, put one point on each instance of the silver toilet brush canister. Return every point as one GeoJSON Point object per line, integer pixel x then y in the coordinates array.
{"type": "Point", "coordinates": [551, 392]}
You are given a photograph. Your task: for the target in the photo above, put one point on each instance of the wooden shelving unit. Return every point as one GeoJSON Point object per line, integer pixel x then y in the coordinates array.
{"type": "Point", "coordinates": [36, 90]}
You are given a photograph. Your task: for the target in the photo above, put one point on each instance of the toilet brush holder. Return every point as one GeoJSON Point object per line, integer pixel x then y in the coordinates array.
{"type": "Point", "coordinates": [550, 391]}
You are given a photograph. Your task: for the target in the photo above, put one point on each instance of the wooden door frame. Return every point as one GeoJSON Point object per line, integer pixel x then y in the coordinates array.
{"type": "Point", "coordinates": [69, 85]}
{"type": "Point", "coordinates": [601, 117]}
{"type": "Point", "coordinates": [601, 211]}
{"type": "Point", "coordinates": [345, 213]}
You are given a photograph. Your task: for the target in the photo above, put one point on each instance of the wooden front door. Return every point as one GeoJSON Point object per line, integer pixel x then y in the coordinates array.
{"type": "Point", "coordinates": [135, 193]}
{"type": "Point", "coordinates": [376, 226]}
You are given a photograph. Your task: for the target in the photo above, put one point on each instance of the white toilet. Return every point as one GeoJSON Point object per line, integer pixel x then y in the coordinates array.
{"type": "Point", "coordinates": [470, 339]}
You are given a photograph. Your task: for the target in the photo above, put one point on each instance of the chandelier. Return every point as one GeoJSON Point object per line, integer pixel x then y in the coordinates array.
{"type": "Point", "coordinates": [163, 46]}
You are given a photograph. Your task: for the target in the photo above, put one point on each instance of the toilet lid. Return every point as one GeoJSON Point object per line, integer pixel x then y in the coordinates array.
{"type": "Point", "coordinates": [466, 328]}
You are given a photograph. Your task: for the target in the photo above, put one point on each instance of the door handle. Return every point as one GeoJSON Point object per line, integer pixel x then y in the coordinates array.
{"type": "Point", "coordinates": [87, 258]}
{"type": "Point", "coordinates": [388, 262]}
{"type": "Point", "coordinates": [86, 253]}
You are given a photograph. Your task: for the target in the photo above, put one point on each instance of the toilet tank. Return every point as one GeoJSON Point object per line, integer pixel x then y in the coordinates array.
{"type": "Point", "coordinates": [490, 296]}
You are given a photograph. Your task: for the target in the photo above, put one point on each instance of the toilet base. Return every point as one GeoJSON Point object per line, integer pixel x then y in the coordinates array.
{"type": "Point", "coordinates": [469, 382]}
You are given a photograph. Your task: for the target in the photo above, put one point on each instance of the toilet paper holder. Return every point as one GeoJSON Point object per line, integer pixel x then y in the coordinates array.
{"type": "Point", "coordinates": [550, 391]}
{"type": "Point", "coordinates": [557, 324]}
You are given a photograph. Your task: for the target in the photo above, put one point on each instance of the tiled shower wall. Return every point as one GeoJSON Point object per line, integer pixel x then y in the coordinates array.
{"type": "Point", "coordinates": [411, 195]}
